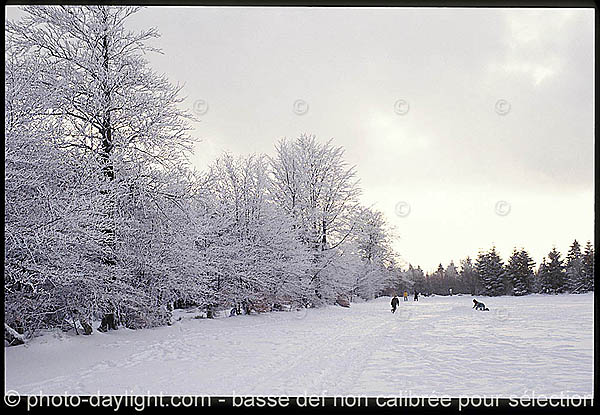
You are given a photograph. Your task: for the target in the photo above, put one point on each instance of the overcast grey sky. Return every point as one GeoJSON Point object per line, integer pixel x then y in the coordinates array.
{"type": "Point", "coordinates": [453, 156]}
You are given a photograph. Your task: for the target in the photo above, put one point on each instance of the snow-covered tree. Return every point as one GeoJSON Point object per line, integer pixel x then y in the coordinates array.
{"type": "Point", "coordinates": [588, 266]}
{"type": "Point", "coordinates": [490, 269]}
{"type": "Point", "coordinates": [552, 274]}
{"type": "Point", "coordinates": [312, 182]}
{"type": "Point", "coordinates": [119, 128]}
{"type": "Point", "coordinates": [261, 256]}
{"type": "Point", "coordinates": [438, 281]}
{"type": "Point", "coordinates": [574, 270]}
{"type": "Point", "coordinates": [372, 238]}
{"type": "Point", "coordinates": [115, 106]}
{"type": "Point", "coordinates": [519, 271]}
{"type": "Point", "coordinates": [53, 227]}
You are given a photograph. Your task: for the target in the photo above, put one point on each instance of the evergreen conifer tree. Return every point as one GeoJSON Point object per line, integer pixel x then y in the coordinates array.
{"type": "Point", "coordinates": [576, 281]}
{"type": "Point", "coordinates": [588, 266]}
{"type": "Point", "coordinates": [490, 268]}
{"type": "Point", "coordinates": [552, 274]}
{"type": "Point", "coordinates": [519, 271]}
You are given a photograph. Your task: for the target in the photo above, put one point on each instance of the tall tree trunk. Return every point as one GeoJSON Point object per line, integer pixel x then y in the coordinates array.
{"type": "Point", "coordinates": [324, 239]}
{"type": "Point", "coordinates": [107, 146]}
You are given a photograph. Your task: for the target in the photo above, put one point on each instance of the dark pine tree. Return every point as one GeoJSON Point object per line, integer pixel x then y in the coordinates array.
{"type": "Point", "coordinates": [575, 276]}
{"type": "Point", "coordinates": [490, 269]}
{"type": "Point", "coordinates": [496, 273]}
{"type": "Point", "coordinates": [588, 266]}
{"type": "Point", "coordinates": [440, 281]}
{"type": "Point", "coordinates": [481, 266]}
{"type": "Point", "coordinates": [538, 285]}
{"type": "Point", "coordinates": [519, 271]}
{"type": "Point", "coordinates": [552, 275]}
{"type": "Point", "coordinates": [428, 284]}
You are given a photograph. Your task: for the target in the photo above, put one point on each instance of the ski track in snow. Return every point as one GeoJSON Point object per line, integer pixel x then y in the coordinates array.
{"type": "Point", "coordinates": [436, 346]}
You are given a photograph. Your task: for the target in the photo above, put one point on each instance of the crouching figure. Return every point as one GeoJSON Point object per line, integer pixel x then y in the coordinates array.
{"type": "Point", "coordinates": [479, 306]}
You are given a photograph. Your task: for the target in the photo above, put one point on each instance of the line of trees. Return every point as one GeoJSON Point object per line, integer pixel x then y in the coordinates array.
{"type": "Point", "coordinates": [490, 275]}
{"type": "Point", "coordinates": [105, 219]}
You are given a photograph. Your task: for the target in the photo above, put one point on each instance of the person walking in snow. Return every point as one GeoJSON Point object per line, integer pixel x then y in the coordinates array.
{"type": "Point", "coordinates": [405, 295]}
{"type": "Point", "coordinates": [395, 303]}
{"type": "Point", "coordinates": [416, 296]}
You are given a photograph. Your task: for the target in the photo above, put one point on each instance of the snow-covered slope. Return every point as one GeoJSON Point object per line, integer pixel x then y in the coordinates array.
{"type": "Point", "coordinates": [439, 345]}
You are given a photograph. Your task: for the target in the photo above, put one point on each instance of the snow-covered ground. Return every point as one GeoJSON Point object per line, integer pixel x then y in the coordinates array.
{"type": "Point", "coordinates": [437, 346]}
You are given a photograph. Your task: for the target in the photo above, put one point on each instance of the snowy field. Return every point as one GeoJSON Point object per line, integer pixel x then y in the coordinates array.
{"type": "Point", "coordinates": [436, 346]}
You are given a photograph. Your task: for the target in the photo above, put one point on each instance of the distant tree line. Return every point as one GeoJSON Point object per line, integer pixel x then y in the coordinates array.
{"type": "Point", "coordinates": [490, 275]}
